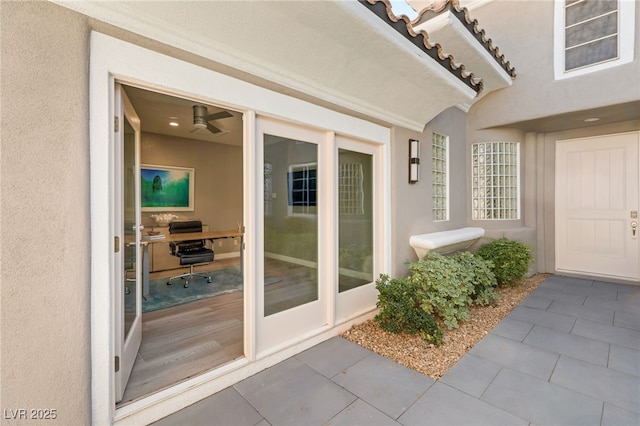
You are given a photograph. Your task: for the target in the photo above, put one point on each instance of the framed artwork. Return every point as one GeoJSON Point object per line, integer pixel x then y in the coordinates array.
{"type": "Point", "coordinates": [166, 188]}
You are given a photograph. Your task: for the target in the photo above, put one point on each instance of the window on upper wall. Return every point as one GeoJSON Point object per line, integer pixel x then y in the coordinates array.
{"type": "Point", "coordinates": [592, 35]}
{"type": "Point", "coordinates": [440, 177]}
{"type": "Point", "coordinates": [495, 180]}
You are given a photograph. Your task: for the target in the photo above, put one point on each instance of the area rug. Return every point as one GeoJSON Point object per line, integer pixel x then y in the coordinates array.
{"type": "Point", "coordinates": [162, 296]}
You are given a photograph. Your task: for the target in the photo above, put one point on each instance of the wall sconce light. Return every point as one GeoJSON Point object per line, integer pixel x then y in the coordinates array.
{"type": "Point", "coordinates": [414, 160]}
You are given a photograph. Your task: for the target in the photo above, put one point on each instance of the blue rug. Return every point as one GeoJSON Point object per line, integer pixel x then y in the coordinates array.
{"type": "Point", "coordinates": [162, 296]}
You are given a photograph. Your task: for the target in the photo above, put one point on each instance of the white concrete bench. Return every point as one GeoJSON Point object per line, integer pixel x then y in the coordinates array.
{"type": "Point", "coordinates": [445, 241]}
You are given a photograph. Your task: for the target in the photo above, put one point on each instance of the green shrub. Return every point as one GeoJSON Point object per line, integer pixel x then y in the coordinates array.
{"type": "Point", "coordinates": [479, 272]}
{"type": "Point", "coordinates": [400, 310]}
{"type": "Point", "coordinates": [510, 258]}
{"type": "Point", "coordinates": [440, 287]}
{"type": "Point", "coordinates": [444, 288]}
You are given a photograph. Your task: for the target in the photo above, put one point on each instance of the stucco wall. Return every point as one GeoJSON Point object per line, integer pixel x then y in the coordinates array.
{"type": "Point", "coordinates": [523, 31]}
{"type": "Point", "coordinates": [415, 214]}
{"type": "Point", "coordinates": [44, 228]}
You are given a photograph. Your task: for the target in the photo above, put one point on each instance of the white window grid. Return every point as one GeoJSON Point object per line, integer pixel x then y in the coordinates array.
{"type": "Point", "coordinates": [570, 26]}
{"type": "Point", "coordinates": [305, 195]}
{"type": "Point", "coordinates": [591, 32]}
{"type": "Point", "coordinates": [440, 177]}
{"type": "Point", "coordinates": [350, 189]}
{"type": "Point", "coordinates": [495, 181]}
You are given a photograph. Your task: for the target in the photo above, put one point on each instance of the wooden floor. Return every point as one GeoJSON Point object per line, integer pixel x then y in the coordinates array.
{"type": "Point", "coordinates": [187, 340]}
{"type": "Point", "coordinates": [184, 341]}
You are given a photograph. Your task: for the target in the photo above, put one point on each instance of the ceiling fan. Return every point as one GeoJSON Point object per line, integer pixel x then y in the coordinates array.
{"type": "Point", "coordinates": [201, 120]}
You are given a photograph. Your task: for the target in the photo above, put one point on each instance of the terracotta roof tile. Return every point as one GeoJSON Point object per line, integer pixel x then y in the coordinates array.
{"type": "Point", "coordinates": [403, 25]}
{"type": "Point", "coordinates": [462, 14]}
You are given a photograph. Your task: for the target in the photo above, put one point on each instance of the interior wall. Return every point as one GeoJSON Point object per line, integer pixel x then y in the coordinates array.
{"type": "Point", "coordinates": [218, 180]}
{"type": "Point", "coordinates": [416, 217]}
{"type": "Point", "coordinates": [44, 228]}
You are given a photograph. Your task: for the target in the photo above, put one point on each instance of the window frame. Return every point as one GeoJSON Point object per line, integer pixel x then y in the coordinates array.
{"type": "Point", "coordinates": [626, 41]}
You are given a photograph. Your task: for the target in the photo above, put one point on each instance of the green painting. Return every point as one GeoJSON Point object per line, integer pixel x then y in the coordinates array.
{"type": "Point", "coordinates": [165, 188]}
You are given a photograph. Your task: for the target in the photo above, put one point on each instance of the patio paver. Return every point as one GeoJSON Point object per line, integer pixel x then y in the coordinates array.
{"type": "Point", "coordinates": [569, 354]}
{"type": "Point", "coordinates": [444, 405]}
{"type": "Point", "coordinates": [541, 402]}
{"type": "Point", "coordinates": [388, 386]}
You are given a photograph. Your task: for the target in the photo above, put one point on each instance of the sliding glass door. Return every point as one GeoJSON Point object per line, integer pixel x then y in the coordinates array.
{"type": "Point", "coordinates": [357, 204]}
{"type": "Point", "coordinates": [290, 224]}
{"type": "Point", "coordinates": [292, 301]}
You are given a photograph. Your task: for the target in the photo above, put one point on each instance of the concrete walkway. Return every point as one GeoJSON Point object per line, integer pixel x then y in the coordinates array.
{"type": "Point", "coordinates": [569, 354]}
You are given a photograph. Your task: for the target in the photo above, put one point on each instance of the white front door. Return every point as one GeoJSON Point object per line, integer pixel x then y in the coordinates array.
{"type": "Point", "coordinates": [127, 288]}
{"type": "Point", "coordinates": [597, 206]}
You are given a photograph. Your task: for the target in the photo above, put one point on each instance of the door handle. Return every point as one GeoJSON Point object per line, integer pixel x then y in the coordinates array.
{"type": "Point", "coordinates": [634, 228]}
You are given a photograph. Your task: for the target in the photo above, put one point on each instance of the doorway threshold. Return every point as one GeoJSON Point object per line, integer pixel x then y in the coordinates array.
{"type": "Point", "coordinates": [145, 408]}
{"type": "Point", "coordinates": [186, 341]}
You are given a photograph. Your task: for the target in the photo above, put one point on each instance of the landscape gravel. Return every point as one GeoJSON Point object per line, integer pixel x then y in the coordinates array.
{"type": "Point", "coordinates": [434, 361]}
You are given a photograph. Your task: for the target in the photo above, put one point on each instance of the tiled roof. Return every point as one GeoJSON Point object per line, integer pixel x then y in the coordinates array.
{"type": "Point", "coordinates": [462, 14]}
{"type": "Point", "coordinates": [402, 24]}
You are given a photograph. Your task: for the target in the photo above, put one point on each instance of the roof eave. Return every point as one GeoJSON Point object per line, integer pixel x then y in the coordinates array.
{"type": "Point", "coordinates": [341, 55]}
{"type": "Point", "coordinates": [456, 40]}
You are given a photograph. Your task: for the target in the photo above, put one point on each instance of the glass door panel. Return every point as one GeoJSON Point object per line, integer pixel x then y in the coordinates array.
{"type": "Point", "coordinates": [291, 259]}
{"type": "Point", "coordinates": [127, 264]}
{"type": "Point", "coordinates": [355, 219]}
{"type": "Point", "coordinates": [290, 223]}
{"type": "Point", "coordinates": [129, 215]}
{"type": "Point", "coordinates": [359, 212]}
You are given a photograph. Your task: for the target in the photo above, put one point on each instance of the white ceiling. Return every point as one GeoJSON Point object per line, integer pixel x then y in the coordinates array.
{"type": "Point", "coordinates": [156, 110]}
{"type": "Point", "coordinates": [337, 52]}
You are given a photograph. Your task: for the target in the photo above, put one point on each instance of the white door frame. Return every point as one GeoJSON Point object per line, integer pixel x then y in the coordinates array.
{"type": "Point", "coordinates": [113, 59]}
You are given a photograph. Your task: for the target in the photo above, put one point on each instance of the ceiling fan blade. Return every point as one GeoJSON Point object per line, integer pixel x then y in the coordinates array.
{"type": "Point", "coordinates": [218, 115]}
{"type": "Point", "coordinates": [212, 128]}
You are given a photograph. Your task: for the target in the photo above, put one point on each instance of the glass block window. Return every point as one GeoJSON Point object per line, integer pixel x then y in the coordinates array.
{"type": "Point", "coordinates": [350, 192]}
{"type": "Point", "coordinates": [591, 32]}
{"type": "Point", "coordinates": [440, 177]}
{"type": "Point", "coordinates": [495, 180]}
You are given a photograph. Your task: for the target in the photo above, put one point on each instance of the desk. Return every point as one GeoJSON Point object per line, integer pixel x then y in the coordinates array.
{"type": "Point", "coordinates": [208, 235]}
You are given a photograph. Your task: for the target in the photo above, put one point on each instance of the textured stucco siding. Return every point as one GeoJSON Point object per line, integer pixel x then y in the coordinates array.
{"type": "Point", "coordinates": [524, 32]}
{"type": "Point", "coordinates": [44, 212]}
{"type": "Point", "coordinates": [412, 203]}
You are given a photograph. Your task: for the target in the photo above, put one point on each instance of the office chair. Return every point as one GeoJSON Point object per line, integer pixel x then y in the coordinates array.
{"type": "Point", "coordinates": [191, 252]}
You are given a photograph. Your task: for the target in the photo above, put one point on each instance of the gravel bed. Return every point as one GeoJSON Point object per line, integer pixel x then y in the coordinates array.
{"type": "Point", "coordinates": [434, 361]}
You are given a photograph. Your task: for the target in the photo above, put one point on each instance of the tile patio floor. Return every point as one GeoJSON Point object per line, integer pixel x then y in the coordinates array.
{"type": "Point", "coordinates": [569, 354]}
